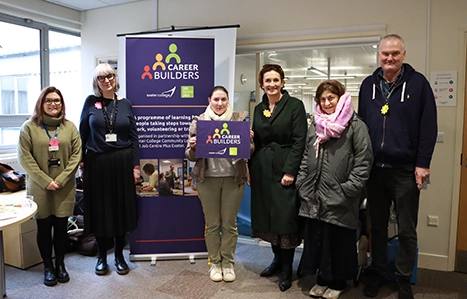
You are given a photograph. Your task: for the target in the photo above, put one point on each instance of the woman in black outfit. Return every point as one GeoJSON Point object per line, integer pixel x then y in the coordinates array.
{"type": "Point", "coordinates": [111, 166]}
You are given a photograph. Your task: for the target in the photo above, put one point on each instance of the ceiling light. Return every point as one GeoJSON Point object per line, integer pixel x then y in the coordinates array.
{"type": "Point", "coordinates": [316, 71]}
{"type": "Point", "coordinates": [296, 84]}
{"type": "Point", "coordinates": [331, 77]}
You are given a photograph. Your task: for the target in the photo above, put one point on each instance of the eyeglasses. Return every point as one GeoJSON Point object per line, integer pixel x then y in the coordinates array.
{"type": "Point", "coordinates": [55, 101]}
{"type": "Point", "coordinates": [108, 77]}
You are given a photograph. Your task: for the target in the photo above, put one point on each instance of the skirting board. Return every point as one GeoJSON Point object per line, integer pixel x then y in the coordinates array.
{"type": "Point", "coordinates": [433, 261]}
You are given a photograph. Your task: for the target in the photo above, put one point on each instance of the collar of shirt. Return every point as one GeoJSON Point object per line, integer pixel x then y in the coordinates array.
{"type": "Point", "coordinates": [386, 87]}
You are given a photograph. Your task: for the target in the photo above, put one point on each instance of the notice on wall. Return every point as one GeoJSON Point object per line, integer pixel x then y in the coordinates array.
{"type": "Point", "coordinates": [444, 84]}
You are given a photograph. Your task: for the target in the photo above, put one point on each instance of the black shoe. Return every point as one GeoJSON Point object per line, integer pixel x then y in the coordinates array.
{"type": "Point", "coordinates": [300, 271]}
{"type": "Point", "coordinates": [373, 281]}
{"type": "Point", "coordinates": [273, 268]}
{"type": "Point", "coordinates": [121, 265]}
{"type": "Point", "coordinates": [405, 289]}
{"type": "Point", "coordinates": [101, 266]}
{"type": "Point", "coordinates": [49, 277]}
{"type": "Point", "coordinates": [285, 281]}
{"type": "Point", "coordinates": [61, 273]}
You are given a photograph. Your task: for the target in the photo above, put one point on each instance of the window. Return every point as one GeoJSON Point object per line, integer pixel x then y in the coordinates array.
{"type": "Point", "coordinates": [305, 67]}
{"type": "Point", "coordinates": [32, 56]}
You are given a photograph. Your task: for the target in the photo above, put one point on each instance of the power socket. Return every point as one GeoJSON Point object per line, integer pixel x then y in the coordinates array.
{"type": "Point", "coordinates": [432, 220]}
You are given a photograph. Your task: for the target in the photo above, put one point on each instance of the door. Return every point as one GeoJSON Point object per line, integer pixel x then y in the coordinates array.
{"type": "Point", "coordinates": [461, 247]}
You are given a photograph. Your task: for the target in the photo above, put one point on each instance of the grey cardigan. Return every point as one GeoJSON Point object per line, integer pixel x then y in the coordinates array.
{"type": "Point", "coordinates": [242, 174]}
{"type": "Point", "coordinates": [330, 185]}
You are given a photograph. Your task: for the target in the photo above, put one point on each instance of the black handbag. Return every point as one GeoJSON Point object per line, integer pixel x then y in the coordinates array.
{"type": "Point", "coordinates": [12, 180]}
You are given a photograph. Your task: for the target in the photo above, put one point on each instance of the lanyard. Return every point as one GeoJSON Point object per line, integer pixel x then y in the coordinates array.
{"type": "Point", "coordinates": [111, 119]}
{"type": "Point", "coordinates": [390, 90]}
{"type": "Point", "coordinates": [48, 134]}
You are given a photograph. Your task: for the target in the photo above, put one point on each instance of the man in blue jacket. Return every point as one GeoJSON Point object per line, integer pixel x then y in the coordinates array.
{"type": "Point", "coordinates": [398, 106]}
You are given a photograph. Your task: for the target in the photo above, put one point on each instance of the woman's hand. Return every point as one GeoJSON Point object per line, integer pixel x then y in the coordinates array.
{"type": "Point", "coordinates": [287, 179]}
{"type": "Point", "coordinates": [252, 134]}
{"type": "Point", "coordinates": [52, 186]}
{"type": "Point", "coordinates": [81, 169]}
{"type": "Point", "coordinates": [192, 142]}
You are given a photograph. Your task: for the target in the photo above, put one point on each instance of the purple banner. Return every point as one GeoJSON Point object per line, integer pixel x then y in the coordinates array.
{"type": "Point", "coordinates": [222, 139]}
{"type": "Point", "coordinates": [168, 81]}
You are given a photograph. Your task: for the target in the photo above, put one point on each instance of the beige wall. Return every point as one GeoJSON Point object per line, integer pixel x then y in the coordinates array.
{"type": "Point", "coordinates": [434, 35]}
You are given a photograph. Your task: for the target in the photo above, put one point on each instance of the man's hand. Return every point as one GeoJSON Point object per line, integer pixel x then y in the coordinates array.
{"type": "Point", "coordinates": [421, 174]}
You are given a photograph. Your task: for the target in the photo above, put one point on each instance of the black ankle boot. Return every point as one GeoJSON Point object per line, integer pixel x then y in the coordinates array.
{"type": "Point", "coordinates": [276, 264]}
{"type": "Point", "coordinates": [121, 266]}
{"type": "Point", "coordinates": [101, 266]}
{"type": "Point", "coordinates": [60, 271]}
{"type": "Point", "coordinates": [285, 281]}
{"type": "Point", "coordinates": [49, 277]}
{"type": "Point", "coordinates": [273, 268]}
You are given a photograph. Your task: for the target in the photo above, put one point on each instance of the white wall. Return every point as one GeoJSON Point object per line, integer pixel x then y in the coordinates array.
{"type": "Point", "coordinates": [433, 31]}
{"type": "Point", "coordinates": [100, 29]}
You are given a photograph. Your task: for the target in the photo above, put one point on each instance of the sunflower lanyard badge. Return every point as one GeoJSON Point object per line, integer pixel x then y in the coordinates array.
{"type": "Point", "coordinates": [385, 107]}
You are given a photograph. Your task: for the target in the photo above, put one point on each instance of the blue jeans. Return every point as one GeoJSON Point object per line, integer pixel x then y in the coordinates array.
{"type": "Point", "coordinates": [385, 187]}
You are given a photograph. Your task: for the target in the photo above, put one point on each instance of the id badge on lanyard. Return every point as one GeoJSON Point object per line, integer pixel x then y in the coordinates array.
{"type": "Point", "coordinates": [111, 137]}
{"type": "Point", "coordinates": [110, 121]}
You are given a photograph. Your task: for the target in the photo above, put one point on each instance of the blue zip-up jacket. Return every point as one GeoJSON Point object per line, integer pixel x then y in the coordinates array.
{"type": "Point", "coordinates": [405, 136]}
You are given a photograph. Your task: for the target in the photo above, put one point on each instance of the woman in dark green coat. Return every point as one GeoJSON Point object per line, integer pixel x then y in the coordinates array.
{"type": "Point", "coordinates": [279, 128]}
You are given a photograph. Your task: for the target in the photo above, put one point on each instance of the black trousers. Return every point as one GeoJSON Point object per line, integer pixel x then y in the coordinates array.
{"type": "Point", "coordinates": [386, 187]}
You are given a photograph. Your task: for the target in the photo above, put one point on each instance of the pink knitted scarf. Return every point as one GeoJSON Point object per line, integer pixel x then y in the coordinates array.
{"type": "Point", "coordinates": [332, 125]}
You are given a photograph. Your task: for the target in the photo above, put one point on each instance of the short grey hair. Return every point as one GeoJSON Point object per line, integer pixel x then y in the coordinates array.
{"type": "Point", "coordinates": [104, 69]}
{"type": "Point", "coordinates": [392, 35]}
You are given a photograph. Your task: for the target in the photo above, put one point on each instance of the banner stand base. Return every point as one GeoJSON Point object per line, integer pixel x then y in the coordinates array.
{"type": "Point", "coordinates": [191, 256]}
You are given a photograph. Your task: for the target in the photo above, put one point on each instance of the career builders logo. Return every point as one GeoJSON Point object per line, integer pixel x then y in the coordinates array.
{"type": "Point", "coordinates": [223, 137]}
{"type": "Point", "coordinates": [171, 68]}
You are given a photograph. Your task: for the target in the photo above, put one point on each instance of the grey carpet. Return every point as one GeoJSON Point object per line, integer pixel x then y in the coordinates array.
{"type": "Point", "coordinates": [176, 279]}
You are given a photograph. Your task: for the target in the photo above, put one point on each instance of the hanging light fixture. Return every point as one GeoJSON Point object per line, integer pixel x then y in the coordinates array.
{"type": "Point", "coordinates": [317, 71]}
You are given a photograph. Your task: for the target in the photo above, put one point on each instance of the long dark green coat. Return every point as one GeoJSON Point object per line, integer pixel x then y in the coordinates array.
{"type": "Point", "coordinates": [279, 145]}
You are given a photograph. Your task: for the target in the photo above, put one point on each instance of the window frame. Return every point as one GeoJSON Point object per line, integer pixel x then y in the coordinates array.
{"type": "Point", "coordinates": [16, 120]}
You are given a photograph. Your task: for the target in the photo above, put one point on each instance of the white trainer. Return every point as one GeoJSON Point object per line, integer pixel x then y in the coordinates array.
{"type": "Point", "coordinates": [332, 294]}
{"type": "Point", "coordinates": [215, 273]}
{"type": "Point", "coordinates": [317, 290]}
{"type": "Point", "coordinates": [229, 274]}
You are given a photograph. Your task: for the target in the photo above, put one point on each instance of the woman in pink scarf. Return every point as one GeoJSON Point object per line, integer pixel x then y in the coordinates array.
{"type": "Point", "coordinates": [335, 166]}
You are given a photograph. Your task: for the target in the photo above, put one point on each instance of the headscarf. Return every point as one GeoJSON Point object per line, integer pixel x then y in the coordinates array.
{"type": "Point", "coordinates": [332, 125]}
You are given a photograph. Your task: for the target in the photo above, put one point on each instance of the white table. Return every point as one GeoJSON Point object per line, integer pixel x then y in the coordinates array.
{"type": "Point", "coordinates": [22, 213]}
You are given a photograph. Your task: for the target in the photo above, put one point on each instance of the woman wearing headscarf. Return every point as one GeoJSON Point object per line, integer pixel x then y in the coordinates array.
{"type": "Point", "coordinates": [335, 166]}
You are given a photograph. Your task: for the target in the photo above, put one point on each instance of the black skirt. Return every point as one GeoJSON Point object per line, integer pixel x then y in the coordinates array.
{"type": "Point", "coordinates": [329, 249]}
{"type": "Point", "coordinates": [109, 193]}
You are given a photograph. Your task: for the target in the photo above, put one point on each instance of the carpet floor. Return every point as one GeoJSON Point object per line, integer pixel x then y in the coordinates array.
{"type": "Point", "coordinates": [176, 279]}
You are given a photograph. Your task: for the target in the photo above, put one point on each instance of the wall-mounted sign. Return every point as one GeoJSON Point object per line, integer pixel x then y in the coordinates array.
{"type": "Point", "coordinates": [444, 84]}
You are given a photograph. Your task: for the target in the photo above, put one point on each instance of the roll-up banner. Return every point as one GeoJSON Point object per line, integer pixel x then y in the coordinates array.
{"type": "Point", "coordinates": [168, 76]}
{"type": "Point", "coordinates": [168, 81]}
